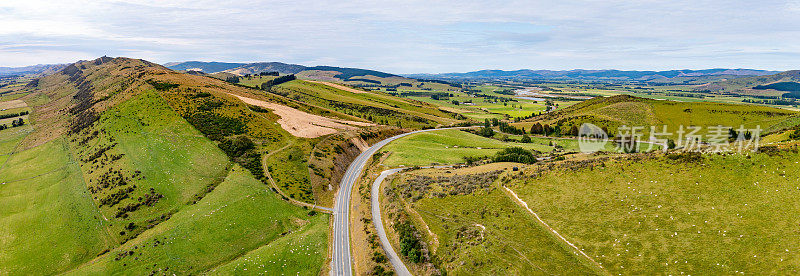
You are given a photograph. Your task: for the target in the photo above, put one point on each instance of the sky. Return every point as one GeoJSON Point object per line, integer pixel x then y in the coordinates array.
{"type": "Point", "coordinates": [411, 36]}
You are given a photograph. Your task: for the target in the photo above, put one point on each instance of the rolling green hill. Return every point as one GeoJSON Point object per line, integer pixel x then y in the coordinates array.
{"type": "Point", "coordinates": [748, 85]}
{"type": "Point", "coordinates": [616, 111]}
{"type": "Point", "coordinates": [121, 172]}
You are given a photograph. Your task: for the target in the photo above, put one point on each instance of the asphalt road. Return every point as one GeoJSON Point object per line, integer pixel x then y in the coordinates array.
{"type": "Point", "coordinates": [394, 259]}
{"type": "Point", "coordinates": [341, 261]}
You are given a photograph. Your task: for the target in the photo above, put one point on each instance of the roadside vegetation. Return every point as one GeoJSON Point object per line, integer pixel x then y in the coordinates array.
{"type": "Point", "coordinates": [469, 226]}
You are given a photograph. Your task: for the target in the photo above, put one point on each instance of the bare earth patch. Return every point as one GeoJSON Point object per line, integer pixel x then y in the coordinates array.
{"type": "Point", "coordinates": [12, 104]}
{"type": "Point", "coordinates": [340, 87]}
{"type": "Point", "coordinates": [302, 124]}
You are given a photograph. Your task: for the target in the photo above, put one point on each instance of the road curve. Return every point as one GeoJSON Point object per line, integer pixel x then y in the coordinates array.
{"type": "Point", "coordinates": [394, 259]}
{"type": "Point", "coordinates": [341, 261]}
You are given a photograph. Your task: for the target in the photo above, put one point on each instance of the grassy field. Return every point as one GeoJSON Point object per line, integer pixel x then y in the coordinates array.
{"type": "Point", "coordinates": [482, 232]}
{"type": "Point", "coordinates": [446, 147]}
{"type": "Point", "coordinates": [255, 81]}
{"type": "Point", "coordinates": [293, 254]}
{"type": "Point", "coordinates": [722, 214]}
{"type": "Point", "coordinates": [452, 146]}
{"type": "Point", "coordinates": [50, 223]}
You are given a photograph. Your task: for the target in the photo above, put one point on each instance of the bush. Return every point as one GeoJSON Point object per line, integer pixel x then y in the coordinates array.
{"type": "Point", "coordinates": [795, 135]}
{"type": "Point", "coordinates": [237, 146]}
{"type": "Point", "coordinates": [486, 132]}
{"type": "Point", "coordinates": [162, 86]}
{"type": "Point", "coordinates": [515, 154]}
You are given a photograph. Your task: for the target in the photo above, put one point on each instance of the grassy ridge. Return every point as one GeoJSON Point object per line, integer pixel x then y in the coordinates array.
{"type": "Point", "coordinates": [126, 178]}
{"type": "Point", "coordinates": [375, 107]}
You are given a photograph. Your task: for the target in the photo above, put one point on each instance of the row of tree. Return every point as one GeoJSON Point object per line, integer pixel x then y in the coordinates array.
{"type": "Point", "coordinates": [12, 115]}
{"type": "Point", "coordinates": [276, 81]}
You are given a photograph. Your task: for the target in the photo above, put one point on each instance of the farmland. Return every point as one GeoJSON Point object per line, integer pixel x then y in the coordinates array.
{"type": "Point", "coordinates": [624, 110]}
{"type": "Point", "coordinates": [446, 147]}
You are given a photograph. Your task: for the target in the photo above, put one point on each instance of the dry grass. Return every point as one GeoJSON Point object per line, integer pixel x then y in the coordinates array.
{"type": "Point", "coordinates": [12, 104]}
{"type": "Point", "coordinates": [340, 87]}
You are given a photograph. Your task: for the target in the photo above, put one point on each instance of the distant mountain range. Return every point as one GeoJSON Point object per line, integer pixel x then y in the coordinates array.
{"type": "Point", "coordinates": [342, 73]}
{"type": "Point", "coordinates": [34, 69]}
{"type": "Point", "coordinates": [599, 75]}
{"type": "Point", "coordinates": [206, 67]}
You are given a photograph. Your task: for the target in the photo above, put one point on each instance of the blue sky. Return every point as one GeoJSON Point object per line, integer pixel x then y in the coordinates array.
{"type": "Point", "coordinates": [411, 36]}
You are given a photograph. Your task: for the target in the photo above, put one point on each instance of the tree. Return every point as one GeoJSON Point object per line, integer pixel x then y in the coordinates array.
{"type": "Point", "coordinates": [732, 134]}
{"type": "Point", "coordinates": [495, 122]}
{"type": "Point", "coordinates": [537, 129]}
{"type": "Point", "coordinates": [670, 144]}
{"type": "Point", "coordinates": [486, 132]}
{"type": "Point", "coordinates": [547, 130]}
{"type": "Point", "coordinates": [232, 79]}
{"type": "Point", "coordinates": [573, 131]}
{"type": "Point", "coordinates": [525, 139]}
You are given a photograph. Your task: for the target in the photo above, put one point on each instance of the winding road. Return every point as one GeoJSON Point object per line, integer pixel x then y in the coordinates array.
{"type": "Point", "coordinates": [341, 261]}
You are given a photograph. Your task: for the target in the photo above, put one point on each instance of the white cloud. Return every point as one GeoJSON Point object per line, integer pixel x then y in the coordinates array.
{"type": "Point", "coordinates": [413, 35]}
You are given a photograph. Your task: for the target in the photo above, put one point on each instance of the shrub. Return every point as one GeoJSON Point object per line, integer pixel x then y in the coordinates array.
{"type": "Point", "coordinates": [515, 154]}
{"type": "Point", "coordinates": [237, 146]}
{"type": "Point", "coordinates": [162, 86]}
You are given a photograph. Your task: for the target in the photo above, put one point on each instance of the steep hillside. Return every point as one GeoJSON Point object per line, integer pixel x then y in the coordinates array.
{"type": "Point", "coordinates": [616, 111]}
{"type": "Point", "coordinates": [134, 168]}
